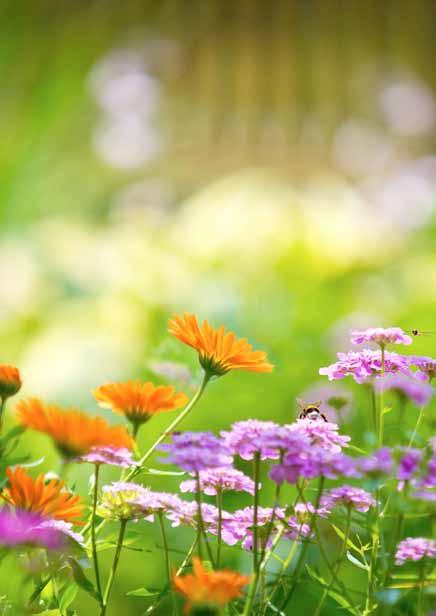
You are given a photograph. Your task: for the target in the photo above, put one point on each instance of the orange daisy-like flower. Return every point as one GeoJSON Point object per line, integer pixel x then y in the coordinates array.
{"type": "Point", "coordinates": [218, 351]}
{"type": "Point", "coordinates": [49, 498]}
{"type": "Point", "coordinates": [139, 401]}
{"type": "Point", "coordinates": [213, 589]}
{"type": "Point", "coordinates": [10, 381]}
{"type": "Point", "coordinates": [73, 432]}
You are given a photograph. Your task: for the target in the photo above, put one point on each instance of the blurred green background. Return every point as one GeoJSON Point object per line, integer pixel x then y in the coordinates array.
{"type": "Point", "coordinates": [266, 166]}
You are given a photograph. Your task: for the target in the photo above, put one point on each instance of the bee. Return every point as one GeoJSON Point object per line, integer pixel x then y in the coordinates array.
{"type": "Point", "coordinates": [418, 332]}
{"type": "Point", "coordinates": [310, 411]}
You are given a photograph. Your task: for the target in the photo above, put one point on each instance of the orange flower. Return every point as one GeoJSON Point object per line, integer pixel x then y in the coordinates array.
{"type": "Point", "coordinates": [209, 588]}
{"type": "Point", "coordinates": [73, 432]}
{"type": "Point", "coordinates": [47, 498]}
{"type": "Point", "coordinates": [218, 351]}
{"type": "Point", "coordinates": [10, 381]}
{"type": "Point", "coordinates": [139, 401]}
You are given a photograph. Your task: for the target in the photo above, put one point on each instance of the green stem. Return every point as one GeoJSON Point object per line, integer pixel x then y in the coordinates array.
{"type": "Point", "coordinates": [255, 579]}
{"type": "Point", "coordinates": [418, 423]}
{"type": "Point", "coordinates": [113, 568]}
{"type": "Point", "coordinates": [373, 407]}
{"type": "Point", "coordinates": [171, 427]}
{"type": "Point", "coordinates": [338, 563]}
{"type": "Point", "coordinates": [273, 516]}
{"type": "Point", "coordinates": [381, 415]}
{"type": "Point", "coordinates": [303, 552]}
{"type": "Point", "coordinates": [167, 555]}
{"type": "Point", "coordinates": [420, 611]}
{"type": "Point", "coordinates": [219, 503]}
{"type": "Point", "coordinates": [93, 536]}
{"type": "Point", "coordinates": [201, 531]}
{"type": "Point", "coordinates": [2, 408]}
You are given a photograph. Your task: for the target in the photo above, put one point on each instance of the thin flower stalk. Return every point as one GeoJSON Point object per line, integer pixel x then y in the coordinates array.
{"type": "Point", "coordinates": [219, 504]}
{"type": "Point", "coordinates": [166, 553]}
{"type": "Point", "coordinates": [206, 378]}
{"type": "Point", "coordinates": [93, 534]}
{"type": "Point", "coordinates": [113, 570]}
{"type": "Point", "coordinates": [256, 571]}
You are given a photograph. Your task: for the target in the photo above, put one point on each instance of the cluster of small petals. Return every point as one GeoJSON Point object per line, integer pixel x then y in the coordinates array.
{"type": "Point", "coordinates": [415, 548]}
{"type": "Point", "coordinates": [313, 462]}
{"type": "Point", "coordinates": [66, 528]}
{"type": "Point", "coordinates": [426, 367]}
{"type": "Point", "coordinates": [424, 494]}
{"type": "Point", "coordinates": [418, 392]}
{"type": "Point", "coordinates": [245, 438]}
{"type": "Point", "coordinates": [380, 463]}
{"type": "Point", "coordinates": [363, 364]}
{"type": "Point", "coordinates": [121, 501]}
{"type": "Point", "coordinates": [186, 513]}
{"type": "Point", "coordinates": [408, 464]}
{"type": "Point", "coordinates": [197, 451]}
{"type": "Point", "coordinates": [349, 496]}
{"type": "Point", "coordinates": [320, 433]}
{"type": "Point", "coordinates": [304, 511]}
{"type": "Point", "coordinates": [219, 479]}
{"type": "Point", "coordinates": [151, 503]}
{"type": "Point", "coordinates": [114, 456]}
{"type": "Point", "coordinates": [381, 336]}
{"type": "Point", "coordinates": [25, 528]}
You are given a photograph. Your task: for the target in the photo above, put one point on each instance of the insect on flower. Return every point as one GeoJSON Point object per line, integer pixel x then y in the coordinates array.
{"type": "Point", "coordinates": [310, 411]}
{"type": "Point", "coordinates": [418, 332]}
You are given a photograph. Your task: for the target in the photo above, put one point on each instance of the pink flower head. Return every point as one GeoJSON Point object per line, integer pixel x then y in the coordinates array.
{"type": "Point", "coordinates": [363, 364]}
{"type": "Point", "coordinates": [426, 367]}
{"type": "Point", "coordinates": [197, 451]}
{"type": "Point", "coordinates": [349, 496]}
{"type": "Point", "coordinates": [25, 528]}
{"type": "Point", "coordinates": [66, 528]}
{"type": "Point", "coordinates": [415, 548]}
{"type": "Point", "coordinates": [380, 463]}
{"type": "Point", "coordinates": [224, 479]}
{"type": "Point", "coordinates": [321, 433]}
{"type": "Point", "coordinates": [244, 439]}
{"type": "Point", "coordinates": [381, 336]}
{"type": "Point", "coordinates": [418, 392]}
{"type": "Point", "coordinates": [409, 464]}
{"type": "Point", "coordinates": [114, 456]}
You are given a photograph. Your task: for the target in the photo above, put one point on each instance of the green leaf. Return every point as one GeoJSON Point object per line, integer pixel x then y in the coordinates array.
{"type": "Point", "coordinates": [357, 562]}
{"type": "Point", "coordinates": [386, 410]}
{"type": "Point", "coordinates": [275, 609]}
{"type": "Point", "coordinates": [81, 579]}
{"type": "Point", "coordinates": [341, 601]}
{"type": "Point", "coordinates": [313, 574]}
{"type": "Point", "coordinates": [156, 471]}
{"type": "Point", "coordinates": [350, 544]}
{"type": "Point", "coordinates": [142, 592]}
{"type": "Point", "coordinates": [69, 593]}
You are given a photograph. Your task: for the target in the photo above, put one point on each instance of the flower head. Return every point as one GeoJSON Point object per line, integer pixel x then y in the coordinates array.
{"type": "Point", "coordinates": [219, 479]}
{"type": "Point", "coordinates": [244, 439]}
{"type": "Point", "coordinates": [114, 456]}
{"type": "Point", "coordinates": [197, 451]}
{"type": "Point", "coordinates": [381, 336]}
{"type": "Point", "coordinates": [218, 351]}
{"type": "Point", "coordinates": [139, 401]}
{"type": "Point", "coordinates": [409, 463]}
{"type": "Point", "coordinates": [311, 462]}
{"type": "Point", "coordinates": [426, 367]}
{"type": "Point", "coordinates": [25, 528]}
{"type": "Point", "coordinates": [211, 590]}
{"type": "Point", "coordinates": [415, 548]}
{"type": "Point", "coordinates": [48, 498]}
{"type": "Point", "coordinates": [64, 528]}
{"type": "Point", "coordinates": [380, 463]}
{"type": "Point", "coordinates": [10, 381]}
{"type": "Point", "coordinates": [349, 496]}
{"type": "Point", "coordinates": [363, 364]}
{"type": "Point", "coordinates": [73, 432]}
{"type": "Point", "coordinates": [418, 392]}
{"type": "Point", "coordinates": [322, 433]}
{"type": "Point", "coordinates": [121, 501]}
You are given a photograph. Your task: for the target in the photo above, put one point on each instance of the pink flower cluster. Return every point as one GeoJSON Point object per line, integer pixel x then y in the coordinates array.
{"type": "Point", "coordinates": [381, 336]}
{"type": "Point", "coordinates": [414, 549]}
